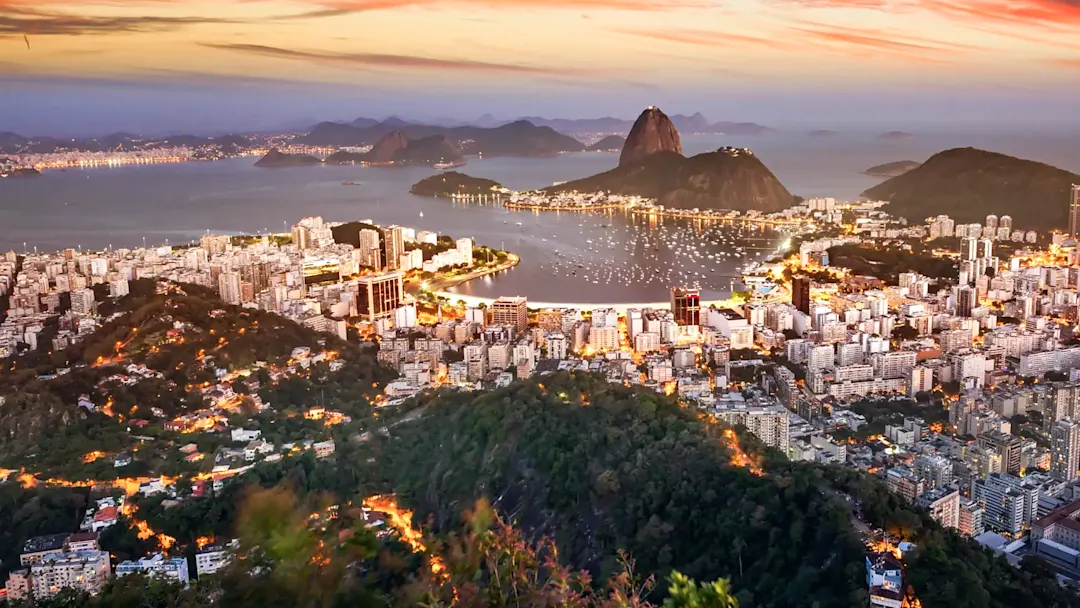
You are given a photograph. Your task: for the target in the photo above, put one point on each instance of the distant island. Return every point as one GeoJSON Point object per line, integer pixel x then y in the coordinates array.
{"type": "Point", "coordinates": [968, 184]}
{"type": "Point", "coordinates": [276, 159]}
{"type": "Point", "coordinates": [893, 169]}
{"type": "Point", "coordinates": [822, 133]}
{"type": "Point", "coordinates": [520, 138]}
{"type": "Point", "coordinates": [611, 143]}
{"type": "Point", "coordinates": [451, 183]}
{"type": "Point", "coordinates": [896, 135]}
{"type": "Point", "coordinates": [652, 166]}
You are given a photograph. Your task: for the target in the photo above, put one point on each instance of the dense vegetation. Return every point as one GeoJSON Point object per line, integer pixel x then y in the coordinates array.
{"type": "Point", "coordinates": [887, 263]}
{"type": "Point", "coordinates": [44, 429]}
{"type": "Point", "coordinates": [713, 180]}
{"type": "Point", "coordinates": [291, 553]}
{"type": "Point", "coordinates": [968, 184]}
{"type": "Point", "coordinates": [452, 182]}
{"type": "Point", "coordinates": [602, 468]}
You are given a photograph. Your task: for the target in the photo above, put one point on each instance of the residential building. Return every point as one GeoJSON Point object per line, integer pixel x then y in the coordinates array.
{"type": "Point", "coordinates": [510, 311]}
{"type": "Point", "coordinates": [86, 571]}
{"type": "Point", "coordinates": [157, 564]}
{"type": "Point", "coordinates": [944, 506]}
{"type": "Point", "coordinates": [1065, 449]}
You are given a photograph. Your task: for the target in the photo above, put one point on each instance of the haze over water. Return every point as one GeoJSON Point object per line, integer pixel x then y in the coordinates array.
{"type": "Point", "coordinates": [96, 208]}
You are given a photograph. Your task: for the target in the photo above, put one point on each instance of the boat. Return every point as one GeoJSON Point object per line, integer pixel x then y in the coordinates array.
{"type": "Point", "coordinates": [450, 165]}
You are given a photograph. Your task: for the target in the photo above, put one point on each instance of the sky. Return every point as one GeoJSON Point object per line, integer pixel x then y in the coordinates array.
{"type": "Point", "coordinates": [156, 66]}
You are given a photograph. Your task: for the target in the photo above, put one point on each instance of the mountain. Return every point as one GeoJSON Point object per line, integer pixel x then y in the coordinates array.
{"type": "Point", "coordinates": [387, 148]}
{"type": "Point", "coordinates": [968, 184]}
{"type": "Point", "coordinates": [697, 123]}
{"type": "Point", "coordinates": [608, 144]}
{"type": "Point", "coordinates": [363, 123]}
{"type": "Point", "coordinates": [452, 182]}
{"type": "Point", "coordinates": [520, 138]}
{"type": "Point", "coordinates": [275, 159]}
{"type": "Point", "coordinates": [395, 148]}
{"type": "Point", "coordinates": [11, 142]}
{"type": "Point", "coordinates": [427, 151]}
{"type": "Point", "coordinates": [728, 178]}
{"type": "Point", "coordinates": [652, 132]}
{"type": "Point", "coordinates": [893, 169]}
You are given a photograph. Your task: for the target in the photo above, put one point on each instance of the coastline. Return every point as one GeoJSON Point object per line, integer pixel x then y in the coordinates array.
{"type": "Point", "coordinates": [438, 286]}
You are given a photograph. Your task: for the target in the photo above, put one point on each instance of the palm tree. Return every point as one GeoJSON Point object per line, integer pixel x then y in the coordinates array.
{"type": "Point", "coordinates": [739, 544]}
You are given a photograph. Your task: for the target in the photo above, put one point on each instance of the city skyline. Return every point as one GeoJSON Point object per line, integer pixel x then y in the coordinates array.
{"type": "Point", "coordinates": [245, 65]}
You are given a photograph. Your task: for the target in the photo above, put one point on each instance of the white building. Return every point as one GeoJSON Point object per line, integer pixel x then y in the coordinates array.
{"type": "Point", "coordinates": [157, 564]}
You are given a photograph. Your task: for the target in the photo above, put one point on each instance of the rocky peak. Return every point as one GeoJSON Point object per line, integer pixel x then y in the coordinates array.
{"type": "Point", "coordinates": [652, 132]}
{"type": "Point", "coordinates": [387, 147]}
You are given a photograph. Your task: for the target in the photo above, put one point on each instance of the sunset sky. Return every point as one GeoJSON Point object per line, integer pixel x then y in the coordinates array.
{"type": "Point", "coordinates": [153, 65]}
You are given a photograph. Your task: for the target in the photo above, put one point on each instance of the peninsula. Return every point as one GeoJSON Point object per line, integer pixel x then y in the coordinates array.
{"type": "Point", "coordinates": [276, 159]}
{"type": "Point", "coordinates": [652, 166]}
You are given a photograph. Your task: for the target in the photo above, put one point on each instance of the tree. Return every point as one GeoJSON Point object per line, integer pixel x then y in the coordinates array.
{"type": "Point", "coordinates": [685, 593]}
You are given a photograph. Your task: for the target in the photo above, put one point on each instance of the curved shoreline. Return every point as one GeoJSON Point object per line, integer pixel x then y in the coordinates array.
{"type": "Point", "coordinates": [438, 286]}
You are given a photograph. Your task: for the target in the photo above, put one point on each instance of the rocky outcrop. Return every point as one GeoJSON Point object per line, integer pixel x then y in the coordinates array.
{"type": "Point", "coordinates": [652, 132]}
{"type": "Point", "coordinates": [388, 147]}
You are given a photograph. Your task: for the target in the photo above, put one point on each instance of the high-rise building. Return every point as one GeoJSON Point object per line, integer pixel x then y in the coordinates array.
{"type": "Point", "coordinates": [229, 287]}
{"type": "Point", "coordinates": [934, 470]}
{"type": "Point", "coordinates": [510, 311]}
{"type": "Point", "coordinates": [1006, 446]}
{"type": "Point", "coordinates": [800, 294]}
{"type": "Point", "coordinates": [1074, 211]}
{"type": "Point", "coordinates": [992, 221]}
{"type": "Point", "coordinates": [393, 245]}
{"type": "Point", "coordinates": [465, 250]}
{"type": "Point", "coordinates": [86, 571]}
{"type": "Point", "coordinates": [1064, 449]}
{"type": "Point", "coordinates": [968, 247]}
{"type": "Point", "coordinates": [965, 300]}
{"type": "Point", "coordinates": [379, 295]}
{"type": "Point", "coordinates": [943, 505]}
{"type": "Point", "coordinates": [370, 247]}
{"type": "Point", "coordinates": [686, 305]}
{"type": "Point", "coordinates": [985, 248]}
{"type": "Point", "coordinates": [970, 520]}
{"type": "Point", "coordinates": [1005, 222]}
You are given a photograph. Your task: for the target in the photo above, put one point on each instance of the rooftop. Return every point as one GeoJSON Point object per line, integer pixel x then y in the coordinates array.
{"type": "Point", "coordinates": [49, 542]}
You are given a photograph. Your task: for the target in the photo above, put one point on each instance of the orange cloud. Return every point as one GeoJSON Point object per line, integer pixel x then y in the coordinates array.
{"type": "Point", "coordinates": [706, 38]}
{"type": "Point", "coordinates": [633, 5]}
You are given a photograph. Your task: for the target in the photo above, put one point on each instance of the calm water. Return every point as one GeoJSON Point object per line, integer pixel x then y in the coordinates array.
{"type": "Point", "coordinates": [570, 257]}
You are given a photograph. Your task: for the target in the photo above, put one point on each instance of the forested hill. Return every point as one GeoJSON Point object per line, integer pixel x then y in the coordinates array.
{"type": "Point", "coordinates": [602, 467]}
